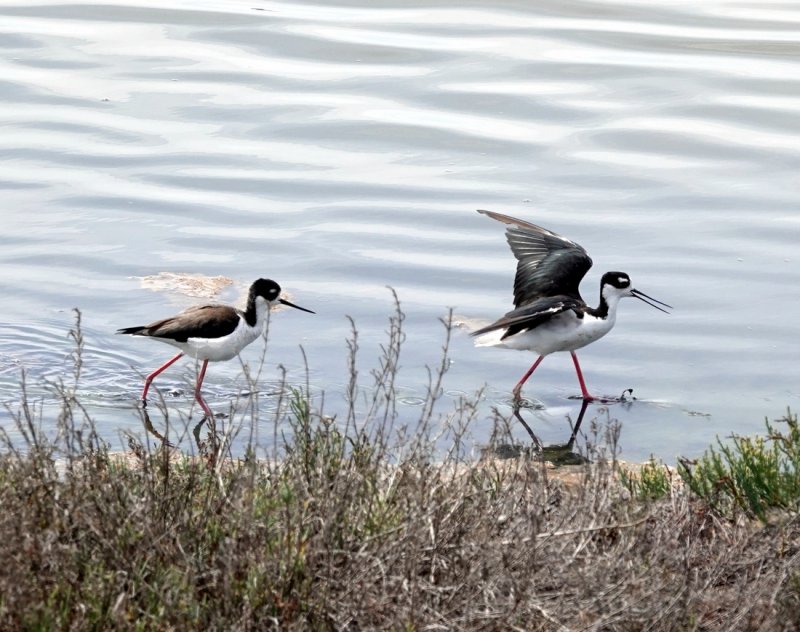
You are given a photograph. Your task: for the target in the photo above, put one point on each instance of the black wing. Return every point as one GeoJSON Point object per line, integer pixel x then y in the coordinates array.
{"type": "Point", "coordinates": [204, 321]}
{"type": "Point", "coordinates": [532, 315]}
{"type": "Point", "coordinates": [549, 265]}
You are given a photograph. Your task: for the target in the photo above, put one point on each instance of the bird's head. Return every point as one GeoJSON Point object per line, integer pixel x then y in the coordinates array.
{"type": "Point", "coordinates": [617, 285]}
{"type": "Point", "coordinates": [270, 291]}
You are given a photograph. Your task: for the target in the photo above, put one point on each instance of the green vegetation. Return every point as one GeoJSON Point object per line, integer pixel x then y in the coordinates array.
{"type": "Point", "coordinates": [652, 481]}
{"type": "Point", "coordinates": [757, 475]}
{"type": "Point", "coordinates": [356, 522]}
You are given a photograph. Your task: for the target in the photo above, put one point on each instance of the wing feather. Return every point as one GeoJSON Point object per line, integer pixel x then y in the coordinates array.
{"type": "Point", "coordinates": [531, 315]}
{"type": "Point", "coordinates": [203, 321]}
{"type": "Point", "coordinates": [548, 264]}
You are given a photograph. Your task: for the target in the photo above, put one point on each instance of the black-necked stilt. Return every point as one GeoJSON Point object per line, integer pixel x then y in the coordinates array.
{"type": "Point", "coordinates": [549, 314]}
{"type": "Point", "coordinates": [212, 333]}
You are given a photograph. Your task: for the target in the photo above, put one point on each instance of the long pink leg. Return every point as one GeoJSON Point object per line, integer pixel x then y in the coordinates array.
{"type": "Point", "coordinates": [518, 387]}
{"type": "Point", "coordinates": [160, 369]}
{"type": "Point", "coordinates": [584, 392]}
{"type": "Point", "coordinates": [197, 395]}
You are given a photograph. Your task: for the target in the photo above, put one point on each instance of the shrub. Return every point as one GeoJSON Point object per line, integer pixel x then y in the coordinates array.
{"type": "Point", "coordinates": [358, 522]}
{"type": "Point", "coordinates": [752, 474]}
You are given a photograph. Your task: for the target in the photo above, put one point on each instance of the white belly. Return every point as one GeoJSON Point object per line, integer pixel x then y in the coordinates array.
{"type": "Point", "coordinates": [565, 332]}
{"type": "Point", "coordinates": [218, 349]}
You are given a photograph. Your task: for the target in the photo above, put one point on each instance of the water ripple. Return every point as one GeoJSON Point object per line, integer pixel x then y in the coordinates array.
{"type": "Point", "coordinates": [343, 148]}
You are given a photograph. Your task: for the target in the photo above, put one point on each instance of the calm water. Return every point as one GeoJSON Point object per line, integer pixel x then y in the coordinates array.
{"type": "Point", "coordinates": [341, 148]}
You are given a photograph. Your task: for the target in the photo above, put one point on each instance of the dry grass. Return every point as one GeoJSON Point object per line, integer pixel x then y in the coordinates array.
{"type": "Point", "coordinates": [357, 523]}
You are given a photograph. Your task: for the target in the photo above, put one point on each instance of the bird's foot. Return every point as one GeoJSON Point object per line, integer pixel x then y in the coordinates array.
{"type": "Point", "coordinates": [207, 412]}
{"type": "Point", "coordinates": [530, 404]}
{"type": "Point", "coordinates": [626, 396]}
{"type": "Point", "coordinates": [518, 401]}
{"type": "Point", "coordinates": [210, 414]}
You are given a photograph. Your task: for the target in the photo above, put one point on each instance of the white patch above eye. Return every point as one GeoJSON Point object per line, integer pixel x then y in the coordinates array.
{"type": "Point", "coordinates": [623, 280]}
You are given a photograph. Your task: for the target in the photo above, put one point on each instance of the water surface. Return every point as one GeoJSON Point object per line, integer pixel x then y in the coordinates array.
{"type": "Point", "coordinates": [340, 148]}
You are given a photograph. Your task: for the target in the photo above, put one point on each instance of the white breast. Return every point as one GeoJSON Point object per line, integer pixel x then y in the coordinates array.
{"type": "Point", "coordinates": [219, 349]}
{"type": "Point", "coordinates": [565, 332]}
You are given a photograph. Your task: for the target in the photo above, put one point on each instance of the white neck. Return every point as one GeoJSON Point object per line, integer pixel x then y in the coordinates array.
{"type": "Point", "coordinates": [262, 307]}
{"type": "Point", "coordinates": [612, 295]}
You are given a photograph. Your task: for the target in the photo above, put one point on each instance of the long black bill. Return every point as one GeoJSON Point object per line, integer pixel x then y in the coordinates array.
{"type": "Point", "coordinates": [643, 297]}
{"type": "Point", "coordinates": [302, 309]}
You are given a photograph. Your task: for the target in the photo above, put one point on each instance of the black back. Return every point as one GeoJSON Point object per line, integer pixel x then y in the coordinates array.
{"type": "Point", "coordinates": [203, 321]}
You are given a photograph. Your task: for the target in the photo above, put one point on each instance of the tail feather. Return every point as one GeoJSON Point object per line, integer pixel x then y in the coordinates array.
{"type": "Point", "coordinates": [134, 331]}
{"type": "Point", "coordinates": [491, 338]}
{"type": "Point", "coordinates": [485, 330]}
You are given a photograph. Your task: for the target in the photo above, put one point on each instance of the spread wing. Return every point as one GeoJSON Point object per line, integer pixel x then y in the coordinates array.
{"type": "Point", "coordinates": [532, 315]}
{"type": "Point", "coordinates": [549, 264]}
{"type": "Point", "coordinates": [203, 321]}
